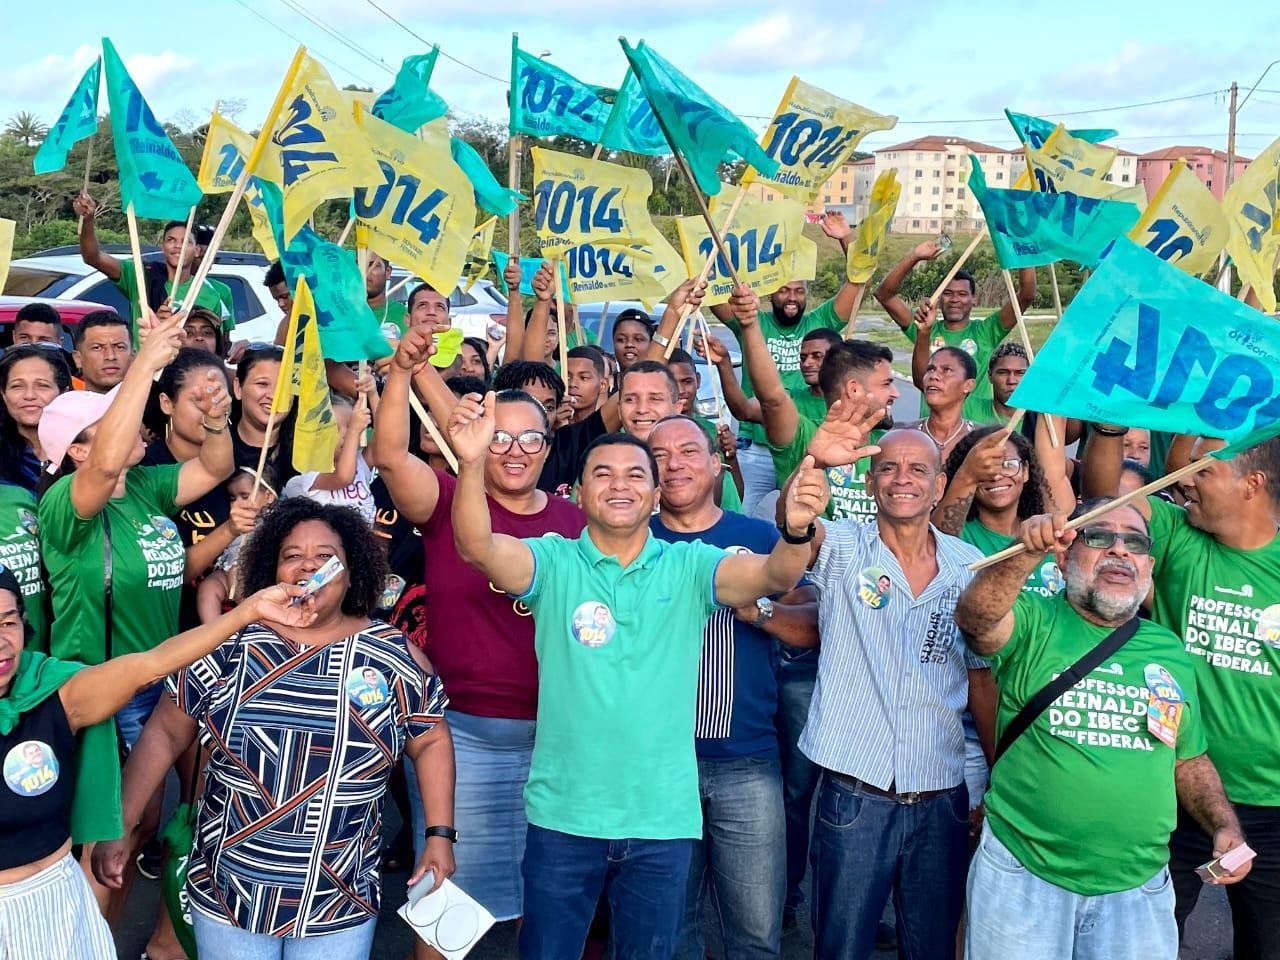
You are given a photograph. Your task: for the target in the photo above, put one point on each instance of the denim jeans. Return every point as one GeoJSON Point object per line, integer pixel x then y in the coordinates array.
{"type": "Point", "coordinates": [133, 716]}
{"type": "Point", "coordinates": [867, 848]}
{"type": "Point", "coordinates": [797, 674]}
{"type": "Point", "coordinates": [758, 475]}
{"type": "Point", "coordinates": [644, 880]}
{"type": "Point", "coordinates": [740, 862]}
{"type": "Point", "coordinates": [1014, 915]}
{"type": "Point", "coordinates": [219, 940]}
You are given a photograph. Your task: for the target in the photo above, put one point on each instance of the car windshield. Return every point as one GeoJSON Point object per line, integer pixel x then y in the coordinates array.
{"type": "Point", "coordinates": [37, 281]}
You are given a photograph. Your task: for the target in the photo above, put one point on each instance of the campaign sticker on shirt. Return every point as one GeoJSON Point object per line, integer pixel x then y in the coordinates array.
{"type": "Point", "coordinates": [1165, 704]}
{"type": "Point", "coordinates": [737, 551]}
{"type": "Point", "coordinates": [31, 768]}
{"type": "Point", "coordinates": [1051, 576]}
{"type": "Point", "coordinates": [391, 592]}
{"type": "Point", "coordinates": [390, 331]}
{"type": "Point", "coordinates": [165, 527]}
{"type": "Point", "coordinates": [593, 624]}
{"type": "Point", "coordinates": [28, 522]}
{"type": "Point", "coordinates": [366, 688]}
{"type": "Point", "coordinates": [874, 587]}
{"type": "Point", "coordinates": [1269, 625]}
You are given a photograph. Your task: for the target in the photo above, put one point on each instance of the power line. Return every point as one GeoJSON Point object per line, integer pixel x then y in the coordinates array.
{"type": "Point", "coordinates": [298, 40]}
{"type": "Point", "coordinates": [354, 47]}
{"type": "Point", "coordinates": [421, 39]}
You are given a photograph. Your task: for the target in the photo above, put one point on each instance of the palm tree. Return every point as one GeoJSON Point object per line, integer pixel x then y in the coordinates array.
{"type": "Point", "coordinates": [26, 127]}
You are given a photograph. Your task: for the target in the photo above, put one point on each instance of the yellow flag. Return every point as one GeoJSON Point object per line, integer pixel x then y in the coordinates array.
{"type": "Point", "coordinates": [864, 252]}
{"type": "Point", "coordinates": [1251, 206]}
{"type": "Point", "coordinates": [804, 260]}
{"type": "Point", "coordinates": [315, 437]}
{"type": "Point", "coordinates": [600, 274]}
{"type": "Point", "coordinates": [226, 149]}
{"type": "Point", "coordinates": [291, 364]}
{"type": "Point", "coordinates": [320, 153]}
{"type": "Point", "coordinates": [1184, 223]}
{"type": "Point", "coordinates": [478, 253]}
{"type": "Point", "coordinates": [811, 135]}
{"type": "Point", "coordinates": [1093, 160]}
{"type": "Point", "coordinates": [762, 243]}
{"type": "Point", "coordinates": [420, 210]}
{"type": "Point", "coordinates": [577, 200]}
{"type": "Point", "coordinates": [1053, 176]}
{"type": "Point", "coordinates": [7, 228]}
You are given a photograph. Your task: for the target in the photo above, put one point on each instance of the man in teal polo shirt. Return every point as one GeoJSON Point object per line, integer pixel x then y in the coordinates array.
{"type": "Point", "coordinates": [612, 798]}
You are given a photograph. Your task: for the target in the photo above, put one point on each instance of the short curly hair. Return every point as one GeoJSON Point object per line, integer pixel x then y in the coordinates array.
{"type": "Point", "coordinates": [366, 562]}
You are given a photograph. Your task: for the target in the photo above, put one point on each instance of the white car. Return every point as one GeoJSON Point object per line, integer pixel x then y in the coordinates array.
{"type": "Point", "coordinates": [471, 310]}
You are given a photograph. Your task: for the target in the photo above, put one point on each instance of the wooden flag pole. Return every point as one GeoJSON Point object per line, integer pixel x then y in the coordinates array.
{"type": "Point", "coordinates": [604, 317]}
{"type": "Point", "coordinates": [706, 214]}
{"type": "Point", "coordinates": [853, 314]}
{"type": "Point", "coordinates": [1026, 341]}
{"type": "Point", "coordinates": [135, 249]}
{"type": "Point", "coordinates": [1007, 430]}
{"type": "Point", "coordinates": [436, 435]}
{"type": "Point", "coordinates": [1153, 487]}
{"type": "Point", "coordinates": [262, 457]}
{"type": "Point", "coordinates": [362, 370]}
{"type": "Point", "coordinates": [955, 267]}
{"type": "Point", "coordinates": [88, 165]}
{"type": "Point", "coordinates": [595, 154]}
{"type": "Point", "coordinates": [1057, 297]}
{"type": "Point", "coordinates": [714, 374]}
{"type": "Point", "coordinates": [562, 320]}
{"type": "Point", "coordinates": [514, 145]}
{"type": "Point", "coordinates": [703, 274]}
{"type": "Point", "coordinates": [177, 273]}
{"type": "Point", "coordinates": [346, 232]}
{"type": "Point", "coordinates": [399, 285]}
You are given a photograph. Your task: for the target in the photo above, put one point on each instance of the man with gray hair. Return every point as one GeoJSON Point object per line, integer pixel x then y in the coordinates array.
{"type": "Point", "coordinates": [1099, 725]}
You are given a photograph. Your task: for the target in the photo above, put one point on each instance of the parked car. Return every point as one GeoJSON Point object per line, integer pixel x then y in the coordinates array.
{"type": "Point", "coordinates": [71, 312]}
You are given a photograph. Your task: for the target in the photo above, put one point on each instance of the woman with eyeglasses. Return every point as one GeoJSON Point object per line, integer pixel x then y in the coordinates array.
{"type": "Point", "coordinates": [478, 638]}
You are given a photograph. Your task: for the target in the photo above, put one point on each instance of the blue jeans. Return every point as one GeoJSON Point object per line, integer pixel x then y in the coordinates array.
{"type": "Point", "coordinates": [741, 859]}
{"type": "Point", "coordinates": [219, 939]}
{"type": "Point", "coordinates": [1013, 914]}
{"type": "Point", "coordinates": [797, 674]}
{"type": "Point", "coordinates": [866, 848]}
{"type": "Point", "coordinates": [133, 716]}
{"type": "Point", "coordinates": [758, 475]}
{"type": "Point", "coordinates": [564, 876]}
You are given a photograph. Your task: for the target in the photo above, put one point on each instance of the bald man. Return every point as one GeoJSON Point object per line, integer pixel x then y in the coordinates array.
{"type": "Point", "coordinates": [894, 678]}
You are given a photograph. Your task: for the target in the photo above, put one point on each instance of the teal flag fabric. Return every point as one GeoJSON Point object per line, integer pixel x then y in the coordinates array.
{"type": "Point", "coordinates": [549, 102]}
{"type": "Point", "coordinates": [1029, 228]}
{"type": "Point", "coordinates": [631, 125]}
{"type": "Point", "coordinates": [1035, 130]}
{"type": "Point", "coordinates": [490, 194]}
{"type": "Point", "coordinates": [1144, 344]}
{"type": "Point", "coordinates": [409, 102]}
{"type": "Point", "coordinates": [78, 120]}
{"type": "Point", "coordinates": [154, 179]}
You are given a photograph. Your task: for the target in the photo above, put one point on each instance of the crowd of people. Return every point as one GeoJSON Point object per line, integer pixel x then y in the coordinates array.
{"type": "Point", "coordinates": [625, 671]}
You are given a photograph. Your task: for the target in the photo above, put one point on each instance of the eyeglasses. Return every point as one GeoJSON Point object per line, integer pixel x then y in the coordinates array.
{"type": "Point", "coordinates": [531, 441]}
{"type": "Point", "coordinates": [1011, 465]}
{"type": "Point", "coordinates": [1100, 538]}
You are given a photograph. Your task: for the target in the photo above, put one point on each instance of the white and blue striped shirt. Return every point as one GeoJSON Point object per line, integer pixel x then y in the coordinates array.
{"type": "Point", "coordinates": [892, 671]}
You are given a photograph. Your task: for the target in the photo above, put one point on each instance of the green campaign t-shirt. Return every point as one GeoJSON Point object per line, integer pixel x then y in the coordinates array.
{"type": "Point", "coordinates": [977, 338]}
{"type": "Point", "coordinates": [618, 654]}
{"type": "Point", "coordinates": [850, 499]}
{"type": "Point", "coordinates": [809, 405]}
{"type": "Point", "coordinates": [1225, 605]}
{"type": "Point", "coordinates": [784, 346]}
{"type": "Point", "coordinates": [1045, 580]}
{"type": "Point", "coordinates": [393, 319]}
{"type": "Point", "coordinates": [20, 552]}
{"type": "Point", "coordinates": [1085, 798]}
{"type": "Point", "coordinates": [214, 296]}
{"type": "Point", "coordinates": [147, 563]}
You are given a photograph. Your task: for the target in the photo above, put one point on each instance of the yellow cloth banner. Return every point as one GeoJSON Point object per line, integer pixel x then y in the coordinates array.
{"type": "Point", "coordinates": [319, 150]}
{"type": "Point", "coordinates": [812, 133]}
{"type": "Point", "coordinates": [291, 364]}
{"type": "Point", "coordinates": [805, 261]}
{"type": "Point", "coordinates": [420, 210]}
{"type": "Point", "coordinates": [478, 253]}
{"type": "Point", "coordinates": [1090, 159]}
{"type": "Point", "coordinates": [226, 149]}
{"type": "Point", "coordinates": [1251, 208]}
{"type": "Point", "coordinates": [1051, 176]}
{"type": "Point", "coordinates": [315, 438]}
{"type": "Point", "coordinates": [763, 243]}
{"type": "Point", "coordinates": [577, 200]}
{"type": "Point", "coordinates": [864, 252]}
{"type": "Point", "coordinates": [1184, 223]}
{"type": "Point", "coordinates": [644, 273]}
{"type": "Point", "coordinates": [7, 228]}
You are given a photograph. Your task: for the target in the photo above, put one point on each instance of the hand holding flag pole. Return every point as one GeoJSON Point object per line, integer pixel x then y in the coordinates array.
{"type": "Point", "coordinates": [704, 272]}
{"type": "Point", "coordinates": [1026, 340]}
{"type": "Point", "coordinates": [146, 320]}
{"type": "Point", "coordinates": [955, 267]}
{"type": "Point", "coordinates": [430, 425]}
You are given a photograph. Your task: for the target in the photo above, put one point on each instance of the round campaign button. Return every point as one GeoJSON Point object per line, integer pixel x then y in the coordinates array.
{"type": "Point", "coordinates": [366, 687]}
{"type": "Point", "coordinates": [1269, 625]}
{"type": "Point", "coordinates": [874, 587]}
{"type": "Point", "coordinates": [31, 768]}
{"type": "Point", "coordinates": [1051, 576]}
{"type": "Point", "coordinates": [593, 624]}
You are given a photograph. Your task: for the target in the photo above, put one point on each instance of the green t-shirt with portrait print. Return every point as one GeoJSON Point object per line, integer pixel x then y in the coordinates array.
{"type": "Point", "coordinates": [977, 338]}
{"type": "Point", "coordinates": [850, 499]}
{"type": "Point", "coordinates": [784, 346]}
{"type": "Point", "coordinates": [393, 319]}
{"type": "Point", "coordinates": [147, 566]}
{"type": "Point", "coordinates": [20, 552]}
{"type": "Point", "coordinates": [1045, 580]}
{"type": "Point", "coordinates": [1085, 798]}
{"type": "Point", "coordinates": [1225, 606]}
{"type": "Point", "coordinates": [214, 295]}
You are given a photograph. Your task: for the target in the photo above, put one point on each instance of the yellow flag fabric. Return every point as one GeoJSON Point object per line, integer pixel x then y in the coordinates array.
{"type": "Point", "coordinates": [864, 252]}
{"type": "Point", "coordinates": [804, 260]}
{"type": "Point", "coordinates": [597, 274]}
{"type": "Point", "coordinates": [1251, 208]}
{"type": "Point", "coordinates": [1184, 223]}
{"type": "Point", "coordinates": [762, 242]}
{"type": "Point", "coordinates": [315, 437]}
{"type": "Point", "coordinates": [1052, 176]}
{"type": "Point", "coordinates": [812, 133]}
{"type": "Point", "coordinates": [577, 201]}
{"type": "Point", "coordinates": [478, 261]}
{"type": "Point", "coordinates": [291, 366]}
{"type": "Point", "coordinates": [7, 228]}
{"type": "Point", "coordinates": [226, 149]}
{"type": "Point", "coordinates": [1090, 159]}
{"type": "Point", "coordinates": [320, 152]}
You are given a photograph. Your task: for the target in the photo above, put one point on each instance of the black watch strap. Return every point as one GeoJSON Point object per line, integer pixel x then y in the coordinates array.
{"type": "Point", "coordinates": [448, 833]}
{"type": "Point", "coordinates": [805, 537]}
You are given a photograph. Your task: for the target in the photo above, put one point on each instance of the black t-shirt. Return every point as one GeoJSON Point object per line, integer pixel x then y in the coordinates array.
{"type": "Point", "coordinates": [401, 603]}
{"type": "Point", "coordinates": [560, 472]}
{"type": "Point", "coordinates": [246, 454]}
{"type": "Point", "coordinates": [38, 758]}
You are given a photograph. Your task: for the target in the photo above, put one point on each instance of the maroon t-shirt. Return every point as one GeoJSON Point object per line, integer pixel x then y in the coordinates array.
{"type": "Point", "coordinates": [480, 641]}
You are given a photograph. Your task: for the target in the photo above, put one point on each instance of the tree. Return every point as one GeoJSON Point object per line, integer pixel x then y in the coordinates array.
{"type": "Point", "coordinates": [26, 128]}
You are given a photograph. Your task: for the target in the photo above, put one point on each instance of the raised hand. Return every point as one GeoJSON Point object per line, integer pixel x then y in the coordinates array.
{"type": "Point", "coordinates": [513, 275]}
{"type": "Point", "coordinates": [807, 497]}
{"type": "Point", "coordinates": [985, 459]}
{"type": "Point", "coordinates": [925, 315]}
{"type": "Point", "coordinates": [926, 250]}
{"type": "Point", "coordinates": [213, 399]}
{"type": "Point", "coordinates": [84, 205]}
{"type": "Point", "coordinates": [688, 294]}
{"type": "Point", "coordinates": [834, 225]}
{"type": "Point", "coordinates": [745, 305]}
{"type": "Point", "coordinates": [160, 344]}
{"type": "Point", "coordinates": [544, 281]}
{"type": "Point", "coordinates": [727, 442]}
{"type": "Point", "coordinates": [719, 353]}
{"type": "Point", "coordinates": [286, 604]}
{"type": "Point", "coordinates": [841, 439]}
{"type": "Point", "coordinates": [1046, 533]}
{"type": "Point", "coordinates": [471, 427]}
{"type": "Point", "coordinates": [415, 348]}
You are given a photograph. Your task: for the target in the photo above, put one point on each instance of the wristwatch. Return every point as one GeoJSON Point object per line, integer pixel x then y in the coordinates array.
{"type": "Point", "coordinates": [764, 608]}
{"type": "Point", "coordinates": [448, 833]}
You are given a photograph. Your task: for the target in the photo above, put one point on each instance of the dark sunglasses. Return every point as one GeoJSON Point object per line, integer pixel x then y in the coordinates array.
{"type": "Point", "coordinates": [1100, 538]}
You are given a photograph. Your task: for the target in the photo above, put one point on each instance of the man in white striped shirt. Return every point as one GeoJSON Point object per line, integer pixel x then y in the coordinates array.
{"type": "Point", "coordinates": [894, 678]}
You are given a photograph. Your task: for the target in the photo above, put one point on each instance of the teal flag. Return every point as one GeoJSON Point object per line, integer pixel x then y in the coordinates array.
{"type": "Point", "coordinates": [1035, 130]}
{"type": "Point", "coordinates": [1029, 228]}
{"type": "Point", "coordinates": [631, 125]}
{"type": "Point", "coordinates": [348, 328]}
{"type": "Point", "coordinates": [528, 267]}
{"type": "Point", "coordinates": [409, 102]}
{"type": "Point", "coordinates": [548, 102]}
{"type": "Point", "coordinates": [490, 194]}
{"type": "Point", "coordinates": [154, 179]}
{"type": "Point", "coordinates": [79, 119]}
{"type": "Point", "coordinates": [702, 130]}
{"type": "Point", "coordinates": [1144, 344]}
{"type": "Point", "coordinates": [1251, 439]}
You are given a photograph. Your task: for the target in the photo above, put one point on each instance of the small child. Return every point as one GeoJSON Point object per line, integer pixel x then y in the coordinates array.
{"type": "Point", "coordinates": [216, 592]}
{"type": "Point", "coordinates": [351, 479]}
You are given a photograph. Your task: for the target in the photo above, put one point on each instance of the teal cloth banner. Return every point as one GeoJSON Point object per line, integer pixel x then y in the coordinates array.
{"type": "Point", "coordinates": [1035, 130]}
{"type": "Point", "coordinates": [528, 267]}
{"type": "Point", "coordinates": [409, 102]}
{"type": "Point", "coordinates": [548, 102]}
{"type": "Point", "coordinates": [490, 194]}
{"type": "Point", "coordinates": [78, 120]}
{"type": "Point", "coordinates": [631, 125]}
{"type": "Point", "coordinates": [1145, 345]}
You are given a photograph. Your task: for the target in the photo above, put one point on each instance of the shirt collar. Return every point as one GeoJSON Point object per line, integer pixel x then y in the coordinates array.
{"type": "Point", "coordinates": [591, 553]}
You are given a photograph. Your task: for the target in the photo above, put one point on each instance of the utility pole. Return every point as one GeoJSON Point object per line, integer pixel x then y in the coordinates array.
{"type": "Point", "coordinates": [1231, 135]}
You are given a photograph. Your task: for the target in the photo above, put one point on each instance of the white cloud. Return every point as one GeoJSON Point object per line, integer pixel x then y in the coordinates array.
{"type": "Point", "coordinates": [781, 41]}
{"type": "Point", "coordinates": [152, 71]}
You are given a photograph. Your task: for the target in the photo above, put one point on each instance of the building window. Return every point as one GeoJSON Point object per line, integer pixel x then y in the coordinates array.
{"type": "Point", "coordinates": [933, 224]}
{"type": "Point", "coordinates": [919, 173]}
{"type": "Point", "coordinates": [936, 191]}
{"type": "Point", "coordinates": [918, 190]}
{"type": "Point", "coordinates": [1124, 178]}
{"type": "Point", "coordinates": [950, 206]}
{"type": "Point", "coordinates": [826, 198]}
{"type": "Point", "coordinates": [915, 224]}
{"type": "Point", "coordinates": [999, 174]}
{"type": "Point", "coordinates": [920, 157]}
{"type": "Point", "coordinates": [844, 185]}
{"type": "Point", "coordinates": [937, 156]}
{"type": "Point", "coordinates": [951, 173]}
{"type": "Point", "coordinates": [937, 174]}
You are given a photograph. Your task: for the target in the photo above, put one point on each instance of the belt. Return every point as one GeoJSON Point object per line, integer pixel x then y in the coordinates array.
{"type": "Point", "coordinates": [908, 799]}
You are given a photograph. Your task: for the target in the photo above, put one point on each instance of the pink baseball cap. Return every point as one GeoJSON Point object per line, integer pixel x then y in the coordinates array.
{"type": "Point", "coordinates": [64, 419]}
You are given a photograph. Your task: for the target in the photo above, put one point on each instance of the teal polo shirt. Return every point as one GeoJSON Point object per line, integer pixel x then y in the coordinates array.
{"type": "Point", "coordinates": [618, 652]}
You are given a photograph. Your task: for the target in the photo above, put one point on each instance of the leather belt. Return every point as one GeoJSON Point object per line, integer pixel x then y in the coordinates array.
{"type": "Point", "coordinates": [908, 799]}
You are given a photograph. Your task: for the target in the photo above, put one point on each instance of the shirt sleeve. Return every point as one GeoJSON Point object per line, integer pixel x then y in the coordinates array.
{"type": "Point", "coordinates": [842, 543]}
{"type": "Point", "coordinates": [128, 281]}
{"type": "Point", "coordinates": [1167, 520]}
{"type": "Point", "coordinates": [426, 704]}
{"type": "Point", "coordinates": [160, 486]}
{"type": "Point", "coordinates": [704, 560]}
{"type": "Point", "coordinates": [991, 331]}
{"type": "Point", "coordinates": [1191, 737]}
{"type": "Point", "coordinates": [300, 485]}
{"type": "Point", "coordinates": [1028, 621]}
{"type": "Point", "coordinates": [190, 687]}
{"type": "Point", "coordinates": [825, 315]}
{"type": "Point", "coordinates": [545, 549]}
{"type": "Point", "coordinates": [59, 523]}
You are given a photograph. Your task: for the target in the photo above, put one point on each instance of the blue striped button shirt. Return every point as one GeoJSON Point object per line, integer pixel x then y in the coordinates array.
{"type": "Point", "coordinates": [892, 672]}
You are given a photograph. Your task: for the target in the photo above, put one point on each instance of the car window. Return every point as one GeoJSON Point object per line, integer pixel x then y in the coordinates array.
{"type": "Point", "coordinates": [460, 299]}
{"type": "Point", "coordinates": [35, 282]}
{"type": "Point", "coordinates": [245, 303]}
{"type": "Point", "coordinates": [108, 294]}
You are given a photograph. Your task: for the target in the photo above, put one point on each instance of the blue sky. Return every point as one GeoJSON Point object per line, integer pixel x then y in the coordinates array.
{"type": "Point", "coordinates": [938, 65]}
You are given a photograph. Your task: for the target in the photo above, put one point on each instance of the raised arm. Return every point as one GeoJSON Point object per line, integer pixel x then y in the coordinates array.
{"type": "Point", "coordinates": [515, 336]}
{"type": "Point", "coordinates": [887, 292]}
{"type": "Point", "coordinates": [1201, 795]}
{"type": "Point", "coordinates": [795, 617]}
{"type": "Point", "coordinates": [506, 561]}
{"type": "Point", "coordinates": [346, 462]}
{"type": "Point", "coordinates": [777, 409]}
{"type": "Point", "coordinates": [744, 409]}
{"type": "Point", "coordinates": [412, 484]}
{"type": "Point", "coordinates": [1058, 495]}
{"type": "Point", "coordinates": [1026, 297]}
{"type": "Point", "coordinates": [922, 347]}
{"type": "Point", "coordinates": [535, 334]}
{"type": "Point", "coordinates": [90, 252]}
{"type": "Point", "coordinates": [837, 228]}
{"type": "Point", "coordinates": [1103, 463]}
{"type": "Point", "coordinates": [217, 456]}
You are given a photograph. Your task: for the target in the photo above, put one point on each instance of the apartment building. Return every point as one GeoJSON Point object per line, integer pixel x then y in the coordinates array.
{"type": "Point", "coordinates": [1209, 166]}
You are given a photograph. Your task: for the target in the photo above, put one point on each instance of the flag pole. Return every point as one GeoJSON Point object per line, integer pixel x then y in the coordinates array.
{"type": "Point", "coordinates": [266, 448]}
{"type": "Point", "coordinates": [1026, 340]}
{"type": "Point", "coordinates": [514, 146]}
{"type": "Point", "coordinates": [853, 314]}
{"type": "Point", "coordinates": [177, 272]}
{"type": "Point", "coordinates": [431, 428]}
{"type": "Point", "coordinates": [703, 273]}
{"type": "Point", "coordinates": [563, 319]}
{"type": "Point", "coordinates": [88, 166]}
{"type": "Point", "coordinates": [604, 317]}
{"type": "Point", "coordinates": [135, 250]}
{"type": "Point", "coordinates": [346, 231]}
{"type": "Point", "coordinates": [1057, 297]}
{"type": "Point", "coordinates": [955, 267]}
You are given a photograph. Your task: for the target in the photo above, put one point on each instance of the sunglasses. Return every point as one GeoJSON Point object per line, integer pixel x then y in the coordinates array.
{"type": "Point", "coordinates": [531, 441]}
{"type": "Point", "coordinates": [1100, 538]}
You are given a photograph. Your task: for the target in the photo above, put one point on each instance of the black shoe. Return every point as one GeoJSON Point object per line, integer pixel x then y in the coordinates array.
{"type": "Point", "coordinates": [886, 936]}
{"type": "Point", "coordinates": [150, 859]}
